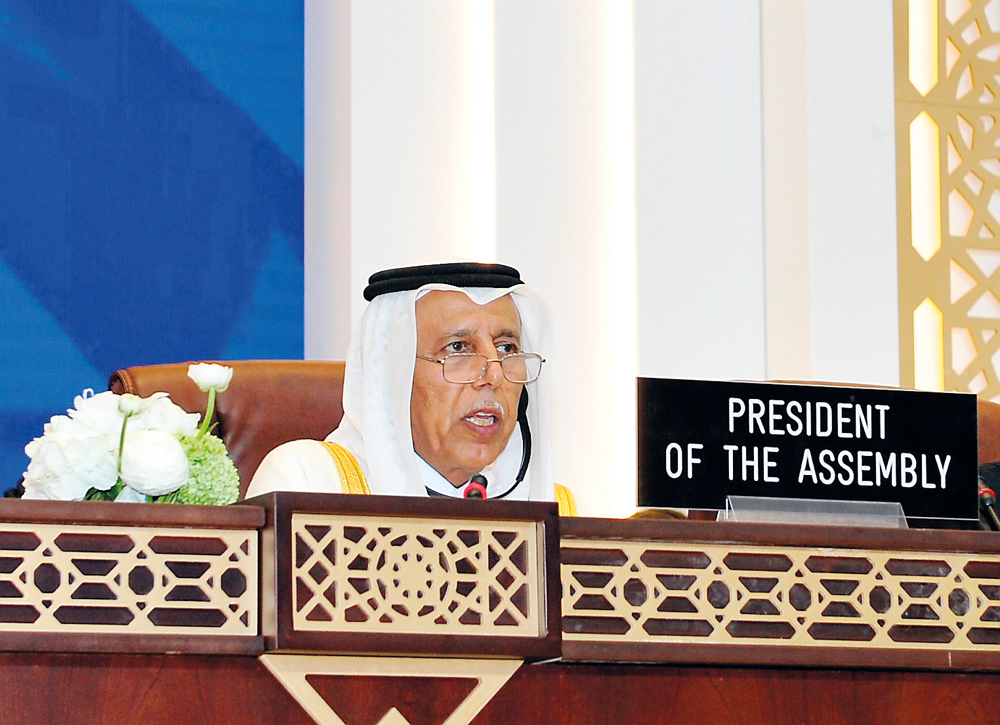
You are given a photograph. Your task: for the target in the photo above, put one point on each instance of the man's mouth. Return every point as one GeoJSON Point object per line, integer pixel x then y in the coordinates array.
{"type": "Point", "coordinates": [485, 415]}
{"type": "Point", "coordinates": [482, 419]}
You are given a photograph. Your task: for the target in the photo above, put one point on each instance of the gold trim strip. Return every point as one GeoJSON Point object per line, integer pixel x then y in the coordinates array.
{"type": "Point", "coordinates": [566, 501]}
{"type": "Point", "coordinates": [352, 478]}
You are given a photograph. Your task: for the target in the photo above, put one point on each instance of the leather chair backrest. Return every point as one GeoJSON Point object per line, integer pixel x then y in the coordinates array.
{"type": "Point", "coordinates": [269, 402]}
{"type": "Point", "coordinates": [989, 431]}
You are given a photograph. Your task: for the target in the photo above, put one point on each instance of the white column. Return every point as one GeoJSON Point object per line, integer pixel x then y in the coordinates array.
{"type": "Point", "coordinates": [565, 219]}
{"type": "Point", "coordinates": [400, 157]}
{"type": "Point", "coordinates": [852, 191]}
{"type": "Point", "coordinates": [829, 191]}
{"type": "Point", "coordinates": [699, 189]}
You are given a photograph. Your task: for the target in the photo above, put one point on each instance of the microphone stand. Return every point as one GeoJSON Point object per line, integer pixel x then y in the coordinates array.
{"type": "Point", "coordinates": [987, 501]}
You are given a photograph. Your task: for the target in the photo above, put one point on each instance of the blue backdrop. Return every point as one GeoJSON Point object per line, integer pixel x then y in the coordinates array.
{"type": "Point", "coordinates": [151, 193]}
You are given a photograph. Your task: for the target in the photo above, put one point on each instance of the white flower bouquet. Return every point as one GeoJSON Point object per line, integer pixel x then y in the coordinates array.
{"type": "Point", "coordinates": [125, 448]}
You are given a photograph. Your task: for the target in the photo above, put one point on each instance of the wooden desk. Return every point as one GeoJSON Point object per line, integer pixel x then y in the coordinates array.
{"type": "Point", "coordinates": [614, 596]}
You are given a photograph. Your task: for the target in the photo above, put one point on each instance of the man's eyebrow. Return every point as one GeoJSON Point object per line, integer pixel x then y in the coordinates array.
{"type": "Point", "coordinates": [455, 333]}
{"type": "Point", "coordinates": [466, 333]}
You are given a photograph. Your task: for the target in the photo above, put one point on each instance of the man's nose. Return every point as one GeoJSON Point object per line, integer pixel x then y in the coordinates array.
{"type": "Point", "coordinates": [493, 375]}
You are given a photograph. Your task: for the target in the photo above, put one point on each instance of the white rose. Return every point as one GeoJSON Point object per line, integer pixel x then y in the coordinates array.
{"type": "Point", "coordinates": [68, 461]}
{"type": "Point", "coordinates": [153, 462]}
{"type": "Point", "coordinates": [158, 412]}
{"type": "Point", "coordinates": [209, 375]}
{"type": "Point", "coordinates": [63, 430]}
{"type": "Point", "coordinates": [99, 412]}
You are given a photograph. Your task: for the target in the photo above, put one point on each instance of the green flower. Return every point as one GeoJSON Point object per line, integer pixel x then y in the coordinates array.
{"type": "Point", "coordinates": [214, 480]}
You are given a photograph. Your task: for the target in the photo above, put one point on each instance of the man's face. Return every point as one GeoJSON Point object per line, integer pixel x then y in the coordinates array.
{"type": "Point", "coordinates": [460, 428]}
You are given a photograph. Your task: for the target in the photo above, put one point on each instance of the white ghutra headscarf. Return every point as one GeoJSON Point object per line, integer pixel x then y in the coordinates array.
{"type": "Point", "coordinates": [379, 378]}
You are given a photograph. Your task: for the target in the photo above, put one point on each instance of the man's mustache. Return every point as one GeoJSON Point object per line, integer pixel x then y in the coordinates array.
{"type": "Point", "coordinates": [482, 405]}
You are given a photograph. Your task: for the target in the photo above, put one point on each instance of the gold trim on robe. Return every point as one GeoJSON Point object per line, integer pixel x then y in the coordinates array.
{"type": "Point", "coordinates": [352, 479]}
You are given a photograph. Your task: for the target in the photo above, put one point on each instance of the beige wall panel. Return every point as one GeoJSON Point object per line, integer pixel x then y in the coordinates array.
{"type": "Point", "coordinates": [788, 274]}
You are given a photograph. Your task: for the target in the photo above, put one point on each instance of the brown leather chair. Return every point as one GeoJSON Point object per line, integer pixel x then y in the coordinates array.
{"type": "Point", "coordinates": [989, 432]}
{"type": "Point", "coordinates": [269, 402]}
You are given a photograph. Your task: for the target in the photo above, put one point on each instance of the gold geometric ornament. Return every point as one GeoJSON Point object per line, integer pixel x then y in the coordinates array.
{"type": "Point", "coordinates": [299, 673]}
{"type": "Point", "coordinates": [386, 574]}
{"type": "Point", "coordinates": [78, 578]}
{"type": "Point", "coordinates": [948, 186]}
{"type": "Point", "coordinates": [635, 592]}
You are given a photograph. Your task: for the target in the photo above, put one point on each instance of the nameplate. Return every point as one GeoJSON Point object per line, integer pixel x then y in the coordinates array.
{"type": "Point", "coordinates": [701, 441]}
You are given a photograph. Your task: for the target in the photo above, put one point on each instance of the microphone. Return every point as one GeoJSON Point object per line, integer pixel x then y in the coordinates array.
{"type": "Point", "coordinates": [475, 488]}
{"type": "Point", "coordinates": [987, 501]}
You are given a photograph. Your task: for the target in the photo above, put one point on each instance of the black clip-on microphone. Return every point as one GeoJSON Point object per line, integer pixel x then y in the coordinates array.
{"type": "Point", "coordinates": [987, 502]}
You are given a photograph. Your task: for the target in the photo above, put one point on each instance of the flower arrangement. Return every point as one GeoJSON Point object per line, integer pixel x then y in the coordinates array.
{"type": "Point", "coordinates": [125, 448]}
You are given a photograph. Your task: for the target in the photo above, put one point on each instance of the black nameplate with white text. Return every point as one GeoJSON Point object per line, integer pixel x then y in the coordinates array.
{"type": "Point", "coordinates": [701, 441]}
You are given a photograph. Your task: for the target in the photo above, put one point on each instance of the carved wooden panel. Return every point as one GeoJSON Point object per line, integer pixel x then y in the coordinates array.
{"type": "Point", "coordinates": [66, 578]}
{"type": "Point", "coordinates": [64, 583]}
{"type": "Point", "coordinates": [728, 593]}
{"type": "Point", "coordinates": [387, 575]}
{"type": "Point", "coordinates": [675, 592]}
{"type": "Point", "coordinates": [407, 575]}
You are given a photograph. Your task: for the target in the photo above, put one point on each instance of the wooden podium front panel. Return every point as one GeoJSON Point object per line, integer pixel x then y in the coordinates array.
{"type": "Point", "coordinates": [92, 576]}
{"type": "Point", "coordinates": [724, 593]}
{"type": "Point", "coordinates": [55, 689]}
{"type": "Point", "coordinates": [397, 576]}
{"type": "Point", "coordinates": [597, 694]}
{"type": "Point", "coordinates": [94, 689]}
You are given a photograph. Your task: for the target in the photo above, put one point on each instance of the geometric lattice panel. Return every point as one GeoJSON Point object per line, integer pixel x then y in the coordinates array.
{"type": "Point", "coordinates": [948, 186]}
{"type": "Point", "coordinates": [127, 579]}
{"type": "Point", "coordinates": [643, 592]}
{"type": "Point", "coordinates": [387, 574]}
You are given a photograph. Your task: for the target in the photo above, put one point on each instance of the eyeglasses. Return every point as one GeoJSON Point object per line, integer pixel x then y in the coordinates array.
{"type": "Point", "coordinates": [467, 367]}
